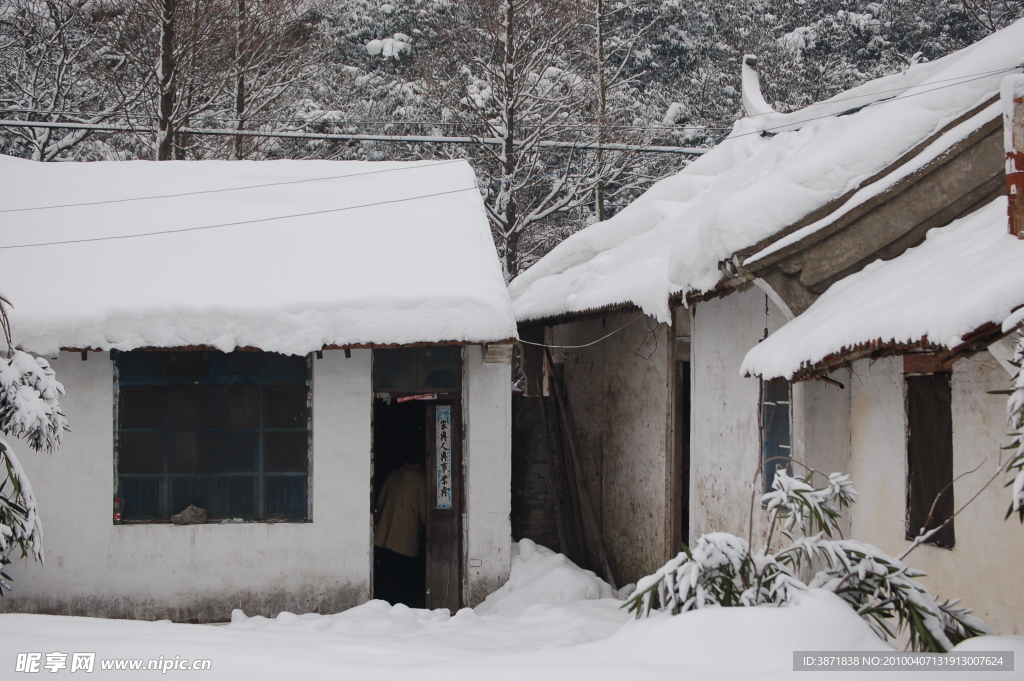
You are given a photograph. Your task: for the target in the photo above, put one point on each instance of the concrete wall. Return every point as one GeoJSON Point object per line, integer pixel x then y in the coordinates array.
{"type": "Point", "coordinates": [983, 568]}
{"type": "Point", "coordinates": [487, 396]}
{"type": "Point", "coordinates": [725, 452]}
{"type": "Point", "coordinates": [618, 392]}
{"type": "Point", "coordinates": [198, 572]}
{"type": "Point", "coordinates": [202, 572]}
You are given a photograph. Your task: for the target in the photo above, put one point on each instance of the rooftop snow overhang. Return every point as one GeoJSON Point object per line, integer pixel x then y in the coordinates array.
{"type": "Point", "coordinates": [941, 358]}
{"type": "Point", "coordinates": [930, 186]}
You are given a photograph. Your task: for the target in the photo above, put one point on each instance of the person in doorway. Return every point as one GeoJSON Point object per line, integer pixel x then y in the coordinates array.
{"type": "Point", "coordinates": [398, 535]}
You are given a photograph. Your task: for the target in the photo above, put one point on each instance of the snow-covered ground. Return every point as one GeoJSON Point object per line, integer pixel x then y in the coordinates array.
{"type": "Point", "coordinates": [553, 621]}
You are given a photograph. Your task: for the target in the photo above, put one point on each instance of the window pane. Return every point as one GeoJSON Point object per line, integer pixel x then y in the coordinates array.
{"type": "Point", "coordinates": [286, 452]}
{"type": "Point", "coordinates": [394, 369]}
{"type": "Point", "coordinates": [187, 492]}
{"type": "Point", "coordinates": [214, 449]}
{"type": "Point", "coordinates": [441, 367]}
{"type": "Point", "coordinates": [420, 368]}
{"type": "Point", "coordinates": [930, 457]}
{"type": "Point", "coordinates": [213, 406]}
{"type": "Point", "coordinates": [244, 406]}
{"type": "Point", "coordinates": [183, 452]}
{"type": "Point", "coordinates": [239, 455]}
{"type": "Point", "coordinates": [139, 364]}
{"type": "Point", "coordinates": [776, 395]}
{"type": "Point", "coordinates": [142, 407]}
{"type": "Point", "coordinates": [286, 496]}
{"type": "Point", "coordinates": [233, 497]}
{"type": "Point", "coordinates": [188, 364]}
{"type": "Point", "coordinates": [140, 453]}
{"type": "Point", "coordinates": [245, 363]}
{"type": "Point", "coordinates": [141, 498]}
{"type": "Point", "coordinates": [183, 406]}
{"type": "Point", "coordinates": [203, 428]}
{"type": "Point", "coordinates": [284, 365]}
{"type": "Point", "coordinates": [286, 406]}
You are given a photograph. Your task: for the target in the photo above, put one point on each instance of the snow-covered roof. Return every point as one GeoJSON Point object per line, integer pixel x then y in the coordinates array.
{"type": "Point", "coordinates": [962, 277]}
{"type": "Point", "coordinates": [752, 186]}
{"type": "Point", "coordinates": [363, 257]}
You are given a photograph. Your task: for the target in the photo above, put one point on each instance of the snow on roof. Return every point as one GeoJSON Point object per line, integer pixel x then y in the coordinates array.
{"type": "Point", "coordinates": [752, 186]}
{"type": "Point", "coordinates": [383, 270]}
{"type": "Point", "coordinates": [964, 275]}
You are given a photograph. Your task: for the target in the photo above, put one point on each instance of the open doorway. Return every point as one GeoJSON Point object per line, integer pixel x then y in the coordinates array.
{"type": "Point", "coordinates": [417, 495]}
{"type": "Point", "coordinates": [399, 460]}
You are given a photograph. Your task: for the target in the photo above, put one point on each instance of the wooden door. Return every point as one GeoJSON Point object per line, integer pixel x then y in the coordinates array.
{"type": "Point", "coordinates": [444, 504]}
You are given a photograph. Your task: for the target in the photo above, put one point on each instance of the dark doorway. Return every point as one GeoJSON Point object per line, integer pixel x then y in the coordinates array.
{"type": "Point", "coordinates": [399, 451]}
{"type": "Point", "coordinates": [417, 462]}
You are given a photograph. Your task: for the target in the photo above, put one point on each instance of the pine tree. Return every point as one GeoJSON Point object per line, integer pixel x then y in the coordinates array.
{"type": "Point", "coordinates": [29, 410]}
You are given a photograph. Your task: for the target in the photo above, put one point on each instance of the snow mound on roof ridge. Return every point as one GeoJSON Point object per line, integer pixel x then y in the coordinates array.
{"type": "Point", "coordinates": [541, 576]}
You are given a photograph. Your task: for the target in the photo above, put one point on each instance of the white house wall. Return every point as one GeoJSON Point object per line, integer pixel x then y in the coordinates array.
{"type": "Point", "coordinates": [198, 572]}
{"type": "Point", "coordinates": [725, 441]}
{"type": "Point", "coordinates": [983, 568]}
{"type": "Point", "coordinates": [487, 527]}
{"type": "Point", "coordinates": [619, 394]}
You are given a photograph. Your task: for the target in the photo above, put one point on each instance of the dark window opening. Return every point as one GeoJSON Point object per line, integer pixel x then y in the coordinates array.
{"type": "Point", "coordinates": [227, 432]}
{"type": "Point", "coordinates": [435, 368]}
{"type": "Point", "coordinates": [682, 443]}
{"type": "Point", "coordinates": [930, 457]}
{"type": "Point", "coordinates": [776, 429]}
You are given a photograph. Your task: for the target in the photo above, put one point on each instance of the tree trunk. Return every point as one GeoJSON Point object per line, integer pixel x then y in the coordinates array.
{"type": "Point", "coordinates": [240, 93]}
{"type": "Point", "coordinates": [508, 171]}
{"type": "Point", "coordinates": [167, 77]}
{"type": "Point", "coordinates": [602, 108]}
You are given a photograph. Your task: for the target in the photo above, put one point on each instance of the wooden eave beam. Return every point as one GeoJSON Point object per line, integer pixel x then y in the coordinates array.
{"type": "Point", "coordinates": [971, 344]}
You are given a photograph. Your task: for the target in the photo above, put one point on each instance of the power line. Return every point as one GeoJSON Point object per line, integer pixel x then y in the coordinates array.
{"type": "Point", "coordinates": [239, 222]}
{"type": "Point", "coordinates": [475, 187]}
{"type": "Point", "coordinates": [432, 139]}
{"type": "Point", "coordinates": [585, 345]}
{"type": "Point", "coordinates": [586, 123]}
{"type": "Point", "coordinates": [231, 189]}
{"type": "Point", "coordinates": [452, 191]}
{"type": "Point", "coordinates": [410, 166]}
{"type": "Point", "coordinates": [594, 122]}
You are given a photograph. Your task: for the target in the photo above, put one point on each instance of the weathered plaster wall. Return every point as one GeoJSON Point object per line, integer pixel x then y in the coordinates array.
{"type": "Point", "coordinates": [725, 440]}
{"type": "Point", "coordinates": [983, 568]}
{"type": "Point", "coordinates": [487, 395]}
{"type": "Point", "coordinates": [618, 392]}
{"type": "Point", "coordinates": [199, 572]}
{"type": "Point", "coordinates": [821, 429]}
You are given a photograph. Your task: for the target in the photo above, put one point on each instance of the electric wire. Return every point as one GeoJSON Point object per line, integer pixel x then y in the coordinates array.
{"type": "Point", "coordinates": [410, 166]}
{"type": "Point", "coordinates": [379, 123]}
{"type": "Point", "coordinates": [585, 345]}
{"type": "Point", "coordinates": [453, 191]}
{"type": "Point", "coordinates": [475, 187]}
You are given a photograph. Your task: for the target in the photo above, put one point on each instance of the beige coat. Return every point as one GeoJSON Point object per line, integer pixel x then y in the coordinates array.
{"type": "Point", "coordinates": [401, 511]}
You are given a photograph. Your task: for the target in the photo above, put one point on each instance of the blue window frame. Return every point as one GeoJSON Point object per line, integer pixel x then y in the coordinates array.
{"type": "Point", "coordinates": [227, 432]}
{"type": "Point", "coordinates": [776, 429]}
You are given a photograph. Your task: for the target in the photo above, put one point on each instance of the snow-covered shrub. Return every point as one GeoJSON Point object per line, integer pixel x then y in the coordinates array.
{"type": "Point", "coordinates": [29, 410]}
{"type": "Point", "coordinates": [721, 570]}
{"type": "Point", "coordinates": [1015, 416]}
